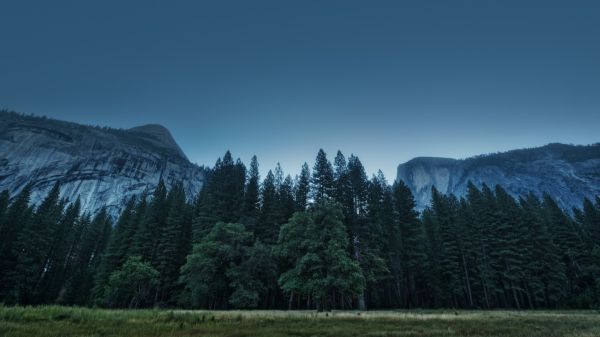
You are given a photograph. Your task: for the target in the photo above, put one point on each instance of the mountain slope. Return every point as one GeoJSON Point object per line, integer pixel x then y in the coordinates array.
{"type": "Point", "coordinates": [567, 172]}
{"type": "Point", "coordinates": [102, 166]}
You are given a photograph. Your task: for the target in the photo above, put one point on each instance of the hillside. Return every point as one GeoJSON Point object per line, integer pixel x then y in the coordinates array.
{"type": "Point", "coordinates": [102, 166]}
{"type": "Point", "coordinates": [567, 172]}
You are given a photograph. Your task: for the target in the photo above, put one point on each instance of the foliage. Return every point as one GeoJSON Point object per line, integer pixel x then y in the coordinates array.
{"type": "Point", "coordinates": [131, 286]}
{"type": "Point", "coordinates": [329, 239]}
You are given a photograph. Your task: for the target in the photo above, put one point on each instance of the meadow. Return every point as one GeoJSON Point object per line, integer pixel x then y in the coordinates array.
{"type": "Point", "coordinates": [73, 321]}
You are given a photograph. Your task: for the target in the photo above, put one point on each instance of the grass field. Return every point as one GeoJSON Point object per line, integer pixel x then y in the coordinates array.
{"type": "Point", "coordinates": [65, 321]}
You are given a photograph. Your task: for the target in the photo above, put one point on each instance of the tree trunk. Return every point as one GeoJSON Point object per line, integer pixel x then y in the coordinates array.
{"type": "Point", "coordinates": [468, 280]}
{"type": "Point", "coordinates": [290, 301]}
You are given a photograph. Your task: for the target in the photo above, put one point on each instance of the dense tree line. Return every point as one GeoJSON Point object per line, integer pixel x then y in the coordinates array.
{"type": "Point", "coordinates": [330, 238]}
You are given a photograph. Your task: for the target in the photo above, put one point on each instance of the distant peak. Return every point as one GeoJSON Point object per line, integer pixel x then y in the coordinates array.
{"type": "Point", "coordinates": [159, 134]}
{"type": "Point", "coordinates": [152, 129]}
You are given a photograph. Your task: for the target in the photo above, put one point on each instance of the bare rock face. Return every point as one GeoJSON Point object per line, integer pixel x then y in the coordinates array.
{"type": "Point", "coordinates": [568, 173]}
{"type": "Point", "coordinates": [101, 166]}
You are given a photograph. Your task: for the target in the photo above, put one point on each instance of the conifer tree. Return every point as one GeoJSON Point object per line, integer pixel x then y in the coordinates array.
{"type": "Point", "coordinates": [322, 178]}
{"type": "Point", "coordinates": [408, 238]}
{"type": "Point", "coordinates": [32, 249]}
{"type": "Point", "coordinates": [173, 243]}
{"type": "Point", "coordinates": [146, 238]}
{"type": "Point", "coordinates": [302, 188]}
{"type": "Point", "coordinates": [546, 280]}
{"type": "Point", "coordinates": [286, 202]}
{"type": "Point", "coordinates": [269, 213]}
{"type": "Point", "coordinates": [208, 271]}
{"type": "Point", "coordinates": [342, 187]}
{"type": "Point", "coordinates": [119, 244]}
{"type": "Point", "coordinates": [87, 257]}
{"type": "Point", "coordinates": [4, 203]}
{"type": "Point", "coordinates": [57, 266]}
{"type": "Point", "coordinates": [252, 195]}
{"type": "Point", "coordinates": [322, 265]}
{"type": "Point", "coordinates": [18, 218]}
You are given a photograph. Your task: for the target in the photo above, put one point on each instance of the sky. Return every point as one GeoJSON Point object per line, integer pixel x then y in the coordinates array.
{"type": "Point", "coordinates": [384, 80]}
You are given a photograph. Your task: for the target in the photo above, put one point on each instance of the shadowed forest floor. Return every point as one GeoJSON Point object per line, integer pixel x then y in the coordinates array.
{"type": "Point", "coordinates": [67, 321]}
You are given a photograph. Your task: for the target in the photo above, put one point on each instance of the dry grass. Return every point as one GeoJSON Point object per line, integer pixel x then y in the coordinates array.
{"type": "Point", "coordinates": [65, 321]}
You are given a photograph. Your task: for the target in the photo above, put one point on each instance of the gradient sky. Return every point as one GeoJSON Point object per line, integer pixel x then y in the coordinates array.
{"type": "Point", "coordinates": [385, 80]}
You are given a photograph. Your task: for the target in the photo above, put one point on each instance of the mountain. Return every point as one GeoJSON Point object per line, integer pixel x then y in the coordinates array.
{"type": "Point", "coordinates": [101, 166]}
{"type": "Point", "coordinates": [566, 172]}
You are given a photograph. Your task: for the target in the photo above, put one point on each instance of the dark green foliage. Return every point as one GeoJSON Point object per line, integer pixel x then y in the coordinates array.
{"type": "Point", "coordinates": [317, 244]}
{"type": "Point", "coordinates": [330, 239]}
{"type": "Point", "coordinates": [322, 182]}
{"type": "Point", "coordinates": [174, 243]}
{"type": "Point", "coordinates": [407, 248]}
{"type": "Point", "coordinates": [252, 195]}
{"type": "Point", "coordinates": [17, 219]}
{"type": "Point", "coordinates": [32, 248]}
{"type": "Point", "coordinates": [86, 257]}
{"type": "Point", "coordinates": [147, 235]}
{"type": "Point", "coordinates": [132, 285]}
{"type": "Point", "coordinates": [222, 198]}
{"type": "Point", "coordinates": [269, 220]}
{"type": "Point", "coordinates": [119, 244]}
{"type": "Point", "coordinates": [225, 269]}
{"type": "Point", "coordinates": [302, 188]}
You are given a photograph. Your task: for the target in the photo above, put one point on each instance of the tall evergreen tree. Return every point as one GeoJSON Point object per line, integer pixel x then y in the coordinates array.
{"type": "Point", "coordinates": [87, 257]}
{"type": "Point", "coordinates": [408, 238]}
{"type": "Point", "coordinates": [18, 218]}
{"type": "Point", "coordinates": [173, 243]}
{"type": "Point", "coordinates": [302, 188]}
{"type": "Point", "coordinates": [32, 249]}
{"type": "Point", "coordinates": [252, 195]}
{"type": "Point", "coordinates": [269, 218]}
{"type": "Point", "coordinates": [145, 241]}
{"type": "Point", "coordinates": [322, 182]}
{"type": "Point", "coordinates": [322, 266]}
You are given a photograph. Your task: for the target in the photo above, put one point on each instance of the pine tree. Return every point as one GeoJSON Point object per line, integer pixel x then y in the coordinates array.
{"type": "Point", "coordinates": [322, 178]}
{"type": "Point", "coordinates": [546, 280]}
{"type": "Point", "coordinates": [18, 218]}
{"type": "Point", "coordinates": [363, 233]}
{"type": "Point", "coordinates": [380, 211]}
{"type": "Point", "coordinates": [408, 238]}
{"type": "Point", "coordinates": [87, 257]}
{"type": "Point", "coordinates": [222, 198]}
{"type": "Point", "coordinates": [119, 245]}
{"type": "Point", "coordinates": [286, 202]}
{"type": "Point", "coordinates": [205, 273]}
{"type": "Point", "coordinates": [32, 249]}
{"type": "Point", "coordinates": [302, 188]}
{"type": "Point", "coordinates": [172, 238]}
{"type": "Point", "coordinates": [571, 246]}
{"type": "Point", "coordinates": [4, 203]}
{"type": "Point", "coordinates": [591, 221]}
{"type": "Point", "coordinates": [509, 253]}
{"type": "Point", "coordinates": [342, 187]}
{"type": "Point", "coordinates": [251, 195]}
{"type": "Point", "coordinates": [57, 266]}
{"type": "Point", "coordinates": [269, 219]}
{"type": "Point", "coordinates": [481, 205]}
{"type": "Point", "coordinates": [145, 241]}
{"type": "Point", "coordinates": [323, 266]}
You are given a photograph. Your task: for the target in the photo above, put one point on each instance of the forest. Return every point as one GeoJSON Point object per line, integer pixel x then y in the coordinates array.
{"type": "Point", "coordinates": [329, 238]}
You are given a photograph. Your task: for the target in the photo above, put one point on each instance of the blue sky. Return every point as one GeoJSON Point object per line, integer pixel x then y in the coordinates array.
{"type": "Point", "coordinates": [385, 80]}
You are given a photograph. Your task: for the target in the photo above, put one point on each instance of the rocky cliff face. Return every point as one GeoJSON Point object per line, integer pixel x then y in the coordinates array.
{"type": "Point", "coordinates": [101, 166]}
{"type": "Point", "coordinates": [566, 172]}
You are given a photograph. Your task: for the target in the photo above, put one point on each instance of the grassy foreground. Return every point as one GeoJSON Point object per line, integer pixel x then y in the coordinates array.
{"type": "Point", "coordinates": [66, 321]}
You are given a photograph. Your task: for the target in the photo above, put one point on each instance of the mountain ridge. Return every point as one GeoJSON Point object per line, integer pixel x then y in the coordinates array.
{"type": "Point", "coordinates": [101, 166]}
{"type": "Point", "coordinates": [567, 172]}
